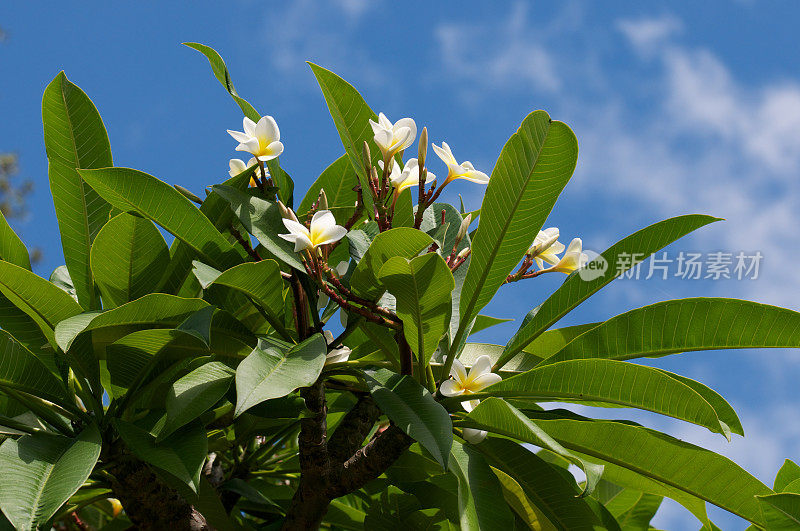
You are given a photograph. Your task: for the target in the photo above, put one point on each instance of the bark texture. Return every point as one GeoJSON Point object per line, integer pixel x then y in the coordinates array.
{"type": "Point", "coordinates": [331, 469]}
{"type": "Point", "coordinates": [149, 503]}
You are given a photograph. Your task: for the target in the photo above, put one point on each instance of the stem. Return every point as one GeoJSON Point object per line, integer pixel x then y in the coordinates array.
{"type": "Point", "coordinates": [244, 243]}
{"type": "Point", "coordinates": [300, 307]}
{"type": "Point", "coordinates": [406, 356]}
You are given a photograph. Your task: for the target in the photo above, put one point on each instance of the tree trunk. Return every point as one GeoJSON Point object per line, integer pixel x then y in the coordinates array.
{"type": "Point", "coordinates": [148, 502]}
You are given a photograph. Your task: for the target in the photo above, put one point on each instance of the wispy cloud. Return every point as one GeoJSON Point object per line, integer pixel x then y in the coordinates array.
{"type": "Point", "coordinates": [648, 34]}
{"type": "Point", "coordinates": [508, 56]}
{"type": "Point", "coordinates": [325, 33]}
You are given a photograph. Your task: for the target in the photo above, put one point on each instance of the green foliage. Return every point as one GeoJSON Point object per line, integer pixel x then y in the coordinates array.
{"type": "Point", "coordinates": [75, 137]}
{"type": "Point", "coordinates": [203, 383]}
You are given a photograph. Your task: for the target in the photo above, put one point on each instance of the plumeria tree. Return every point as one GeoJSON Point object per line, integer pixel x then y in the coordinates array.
{"type": "Point", "coordinates": [298, 363]}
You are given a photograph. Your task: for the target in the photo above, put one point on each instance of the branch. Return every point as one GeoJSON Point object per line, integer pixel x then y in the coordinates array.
{"type": "Point", "coordinates": [353, 429]}
{"type": "Point", "coordinates": [370, 461]}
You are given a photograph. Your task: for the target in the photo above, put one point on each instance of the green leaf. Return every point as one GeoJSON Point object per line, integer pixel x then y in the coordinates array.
{"type": "Point", "coordinates": [61, 279]}
{"type": "Point", "coordinates": [216, 209]}
{"type": "Point", "coordinates": [684, 325]}
{"type": "Point", "coordinates": [11, 247]}
{"type": "Point", "coordinates": [198, 324]}
{"type": "Point", "coordinates": [788, 473]}
{"type": "Point", "coordinates": [21, 370]}
{"type": "Point", "coordinates": [260, 281]}
{"type": "Point", "coordinates": [157, 310]}
{"type": "Point", "coordinates": [482, 322]}
{"type": "Point", "coordinates": [25, 330]}
{"type": "Point", "coordinates": [551, 489]}
{"type": "Point", "coordinates": [182, 454]}
{"type": "Point", "coordinates": [280, 177]}
{"type": "Point", "coordinates": [478, 491]}
{"type": "Point", "coordinates": [532, 170]}
{"type": "Point", "coordinates": [193, 394]}
{"type": "Point", "coordinates": [639, 516]}
{"type": "Point", "coordinates": [412, 408]}
{"type": "Point", "coordinates": [613, 382]}
{"type": "Point", "coordinates": [43, 302]}
{"type": "Point", "coordinates": [521, 504]}
{"type": "Point", "coordinates": [781, 511]}
{"type": "Point", "coordinates": [338, 181]}
{"type": "Point", "coordinates": [136, 191]}
{"type": "Point", "coordinates": [132, 358]}
{"type": "Point", "coordinates": [402, 242]}
{"type": "Point", "coordinates": [498, 416]}
{"type": "Point", "coordinates": [351, 115]}
{"type": "Point", "coordinates": [269, 373]}
{"type": "Point", "coordinates": [128, 257]}
{"type": "Point", "coordinates": [42, 471]}
{"type": "Point", "coordinates": [638, 246]}
{"type": "Point", "coordinates": [447, 231]}
{"type": "Point", "coordinates": [263, 220]}
{"type": "Point", "coordinates": [654, 455]}
{"type": "Point", "coordinates": [550, 342]}
{"type": "Point", "coordinates": [422, 288]}
{"type": "Point", "coordinates": [75, 137]}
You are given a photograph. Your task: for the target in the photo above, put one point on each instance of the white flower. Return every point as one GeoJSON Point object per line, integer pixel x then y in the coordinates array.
{"type": "Point", "coordinates": [465, 170]}
{"type": "Point", "coordinates": [262, 139]}
{"type": "Point", "coordinates": [409, 176]}
{"type": "Point", "coordinates": [480, 376]}
{"type": "Point", "coordinates": [322, 298]}
{"type": "Point", "coordinates": [238, 166]}
{"type": "Point", "coordinates": [546, 247]}
{"type": "Point", "coordinates": [393, 137]}
{"type": "Point", "coordinates": [573, 259]}
{"type": "Point", "coordinates": [336, 355]}
{"type": "Point", "coordinates": [473, 436]}
{"type": "Point", "coordinates": [323, 230]}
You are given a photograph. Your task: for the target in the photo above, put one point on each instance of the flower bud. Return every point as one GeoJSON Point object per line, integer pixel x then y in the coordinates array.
{"type": "Point", "coordinates": [464, 252]}
{"type": "Point", "coordinates": [286, 213]}
{"type": "Point", "coordinates": [188, 195]}
{"type": "Point", "coordinates": [423, 147]}
{"type": "Point", "coordinates": [367, 155]}
{"type": "Point", "coordinates": [462, 230]}
{"type": "Point", "coordinates": [322, 200]}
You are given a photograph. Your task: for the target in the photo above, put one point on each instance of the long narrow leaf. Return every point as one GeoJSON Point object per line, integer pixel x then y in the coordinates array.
{"type": "Point", "coordinates": [638, 246]}
{"type": "Point", "coordinates": [75, 137]}
{"type": "Point", "coordinates": [532, 170]}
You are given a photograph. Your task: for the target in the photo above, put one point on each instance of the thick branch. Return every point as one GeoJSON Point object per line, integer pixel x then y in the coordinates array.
{"type": "Point", "coordinates": [310, 502]}
{"type": "Point", "coordinates": [353, 429]}
{"type": "Point", "coordinates": [148, 502]}
{"type": "Point", "coordinates": [370, 461]}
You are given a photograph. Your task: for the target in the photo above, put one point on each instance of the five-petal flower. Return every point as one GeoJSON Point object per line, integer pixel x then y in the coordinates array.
{"type": "Point", "coordinates": [323, 230]}
{"type": "Point", "coordinates": [465, 170]}
{"type": "Point", "coordinates": [479, 377]}
{"type": "Point", "coordinates": [237, 166]}
{"type": "Point", "coordinates": [573, 259]}
{"type": "Point", "coordinates": [393, 137]}
{"type": "Point", "coordinates": [262, 139]}
{"type": "Point", "coordinates": [546, 247]}
{"type": "Point", "coordinates": [409, 176]}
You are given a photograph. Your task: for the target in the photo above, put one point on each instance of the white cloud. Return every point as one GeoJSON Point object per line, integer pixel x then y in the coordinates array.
{"type": "Point", "coordinates": [685, 134]}
{"type": "Point", "coordinates": [764, 120]}
{"type": "Point", "coordinates": [646, 34]}
{"type": "Point", "coordinates": [509, 56]}
{"type": "Point", "coordinates": [324, 33]}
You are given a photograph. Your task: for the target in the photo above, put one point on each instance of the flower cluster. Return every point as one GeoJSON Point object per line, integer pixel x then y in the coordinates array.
{"type": "Point", "coordinates": [262, 140]}
{"type": "Point", "coordinates": [546, 247]}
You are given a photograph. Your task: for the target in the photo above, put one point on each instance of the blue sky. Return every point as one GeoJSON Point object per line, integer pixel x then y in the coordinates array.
{"type": "Point", "coordinates": [678, 108]}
